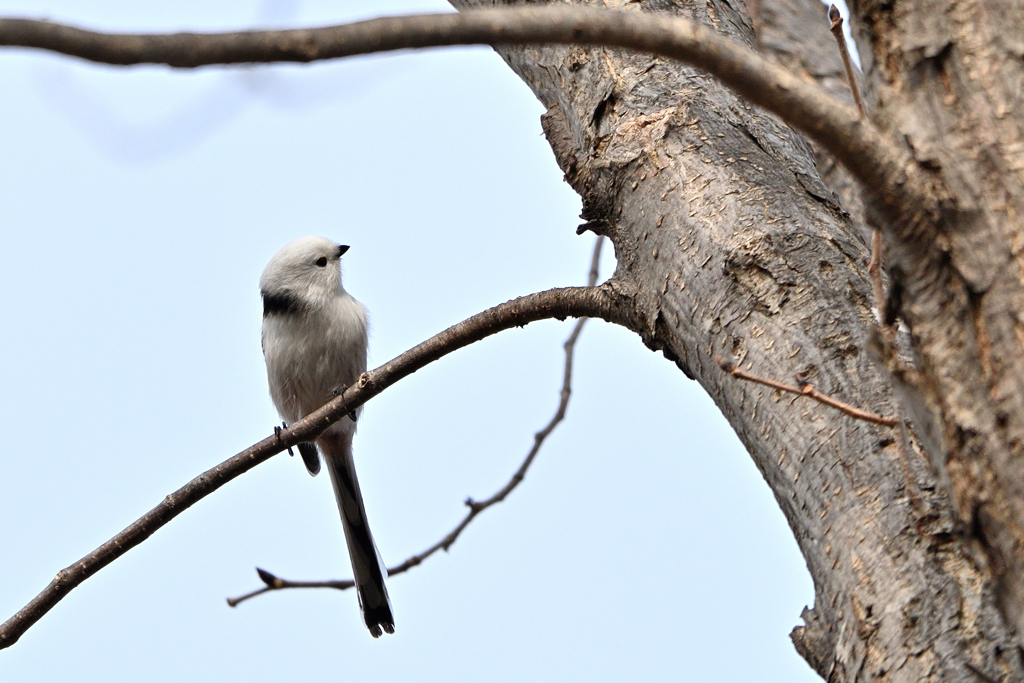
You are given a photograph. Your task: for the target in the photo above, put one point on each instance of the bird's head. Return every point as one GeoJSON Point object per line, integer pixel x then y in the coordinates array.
{"type": "Point", "coordinates": [303, 273]}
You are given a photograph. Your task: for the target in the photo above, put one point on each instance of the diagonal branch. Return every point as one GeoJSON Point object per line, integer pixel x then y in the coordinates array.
{"type": "Point", "coordinates": [475, 507]}
{"type": "Point", "coordinates": [881, 166]}
{"type": "Point", "coordinates": [808, 390]}
{"type": "Point", "coordinates": [607, 302]}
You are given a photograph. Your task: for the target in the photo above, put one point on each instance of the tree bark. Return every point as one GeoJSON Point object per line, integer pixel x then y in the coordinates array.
{"type": "Point", "coordinates": [739, 251]}
{"type": "Point", "coordinates": [947, 77]}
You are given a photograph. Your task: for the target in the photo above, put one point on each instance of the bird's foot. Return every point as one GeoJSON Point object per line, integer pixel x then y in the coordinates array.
{"type": "Point", "coordinates": [277, 433]}
{"type": "Point", "coordinates": [338, 392]}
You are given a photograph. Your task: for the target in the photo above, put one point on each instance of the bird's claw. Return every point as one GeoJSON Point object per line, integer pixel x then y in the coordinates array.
{"type": "Point", "coordinates": [277, 433]}
{"type": "Point", "coordinates": [338, 392]}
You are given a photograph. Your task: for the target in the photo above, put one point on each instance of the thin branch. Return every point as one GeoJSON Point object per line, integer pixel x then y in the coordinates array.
{"type": "Point", "coordinates": [836, 26]}
{"type": "Point", "coordinates": [875, 264]}
{"type": "Point", "coordinates": [883, 167]}
{"type": "Point", "coordinates": [475, 507]}
{"type": "Point", "coordinates": [273, 583]}
{"type": "Point", "coordinates": [805, 389]}
{"type": "Point", "coordinates": [607, 302]}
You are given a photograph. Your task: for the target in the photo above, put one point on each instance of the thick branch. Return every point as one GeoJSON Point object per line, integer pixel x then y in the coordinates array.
{"type": "Point", "coordinates": [475, 506]}
{"type": "Point", "coordinates": [604, 302]}
{"type": "Point", "coordinates": [875, 161]}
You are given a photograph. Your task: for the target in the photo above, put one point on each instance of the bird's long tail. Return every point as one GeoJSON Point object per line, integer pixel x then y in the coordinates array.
{"type": "Point", "coordinates": [367, 567]}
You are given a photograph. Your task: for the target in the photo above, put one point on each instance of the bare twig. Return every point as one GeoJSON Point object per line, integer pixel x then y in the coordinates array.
{"type": "Point", "coordinates": [805, 389]}
{"type": "Point", "coordinates": [274, 583]}
{"type": "Point", "coordinates": [475, 507]}
{"type": "Point", "coordinates": [875, 264]}
{"type": "Point", "coordinates": [836, 27]}
{"type": "Point", "coordinates": [883, 167]}
{"type": "Point", "coordinates": [606, 302]}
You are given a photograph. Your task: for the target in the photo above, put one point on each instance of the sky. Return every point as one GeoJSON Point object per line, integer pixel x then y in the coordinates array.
{"type": "Point", "coordinates": [138, 208]}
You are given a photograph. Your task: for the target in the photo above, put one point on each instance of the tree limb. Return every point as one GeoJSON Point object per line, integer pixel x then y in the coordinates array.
{"type": "Point", "coordinates": [475, 507]}
{"type": "Point", "coordinates": [607, 302]}
{"type": "Point", "coordinates": [883, 168]}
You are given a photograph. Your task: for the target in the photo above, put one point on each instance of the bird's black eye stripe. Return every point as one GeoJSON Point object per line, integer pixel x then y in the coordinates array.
{"type": "Point", "coordinates": [322, 261]}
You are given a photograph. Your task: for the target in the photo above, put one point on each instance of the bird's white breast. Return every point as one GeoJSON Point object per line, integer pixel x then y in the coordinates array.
{"type": "Point", "coordinates": [310, 353]}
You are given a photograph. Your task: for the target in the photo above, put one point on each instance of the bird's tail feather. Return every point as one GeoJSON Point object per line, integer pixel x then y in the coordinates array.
{"type": "Point", "coordinates": [310, 458]}
{"type": "Point", "coordinates": [367, 567]}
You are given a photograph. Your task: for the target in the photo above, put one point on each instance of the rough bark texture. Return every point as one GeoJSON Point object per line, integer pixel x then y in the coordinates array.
{"type": "Point", "coordinates": [739, 250]}
{"type": "Point", "coordinates": [947, 77]}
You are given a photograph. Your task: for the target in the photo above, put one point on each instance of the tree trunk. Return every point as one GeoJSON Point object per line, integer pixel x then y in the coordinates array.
{"type": "Point", "coordinates": [947, 77]}
{"type": "Point", "coordinates": [740, 251]}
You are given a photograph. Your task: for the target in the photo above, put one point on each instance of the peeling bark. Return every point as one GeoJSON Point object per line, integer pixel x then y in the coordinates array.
{"type": "Point", "coordinates": [738, 249]}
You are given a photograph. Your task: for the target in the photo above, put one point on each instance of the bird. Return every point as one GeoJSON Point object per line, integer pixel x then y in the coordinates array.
{"type": "Point", "coordinates": [315, 343]}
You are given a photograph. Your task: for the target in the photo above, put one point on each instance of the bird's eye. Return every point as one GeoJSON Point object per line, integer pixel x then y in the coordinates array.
{"type": "Point", "coordinates": [322, 261]}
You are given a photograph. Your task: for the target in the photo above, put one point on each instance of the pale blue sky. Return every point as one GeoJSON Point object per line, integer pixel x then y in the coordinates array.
{"type": "Point", "coordinates": [139, 207]}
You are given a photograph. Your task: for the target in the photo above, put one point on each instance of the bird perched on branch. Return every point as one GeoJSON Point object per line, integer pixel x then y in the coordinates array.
{"type": "Point", "coordinates": [314, 343]}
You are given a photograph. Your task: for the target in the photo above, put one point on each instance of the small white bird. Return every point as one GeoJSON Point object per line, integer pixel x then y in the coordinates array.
{"type": "Point", "coordinates": [314, 342]}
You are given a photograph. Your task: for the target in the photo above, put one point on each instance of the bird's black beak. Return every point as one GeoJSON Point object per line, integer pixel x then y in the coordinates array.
{"type": "Point", "coordinates": [342, 248]}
